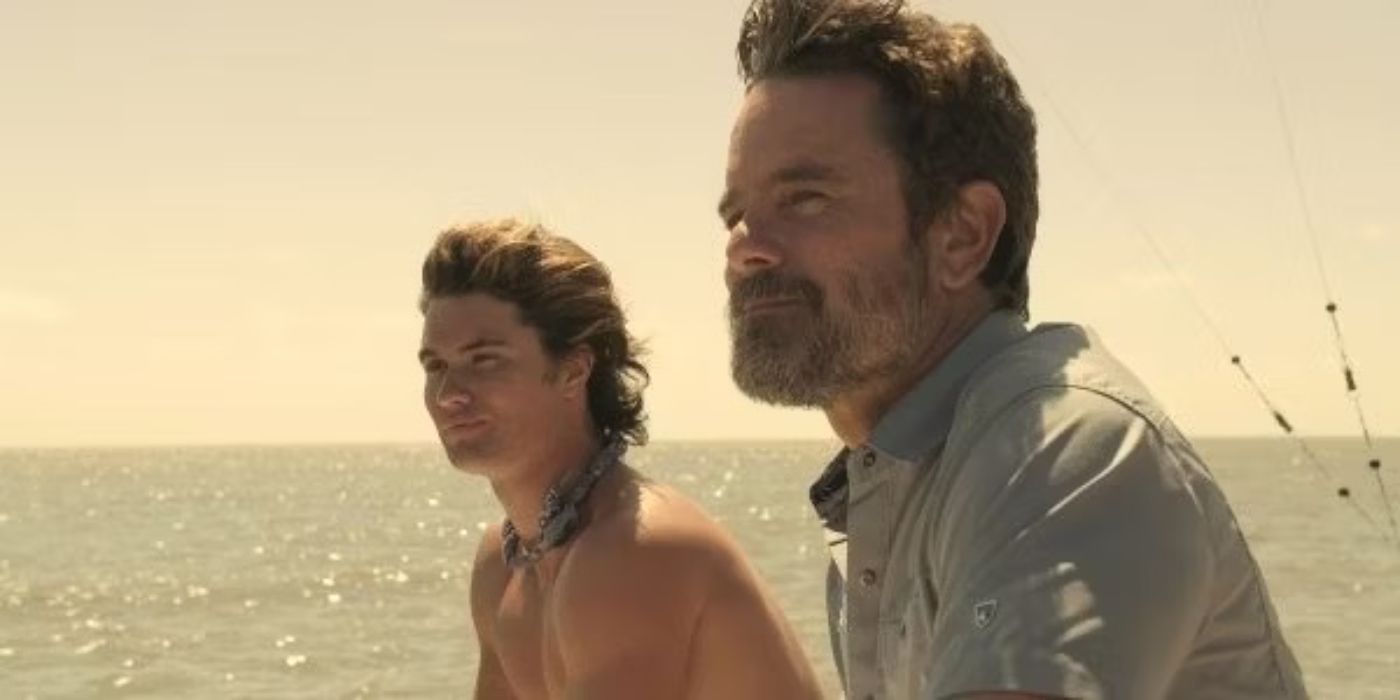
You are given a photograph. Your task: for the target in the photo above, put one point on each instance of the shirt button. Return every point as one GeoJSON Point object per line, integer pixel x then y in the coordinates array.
{"type": "Point", "coordinates": [869, 459]}
{"type": "Point", "coordinates": [868, 578]}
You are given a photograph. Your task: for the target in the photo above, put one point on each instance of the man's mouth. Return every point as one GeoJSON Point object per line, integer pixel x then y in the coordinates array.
{"type": "Point", "coordinates": [771, 304]}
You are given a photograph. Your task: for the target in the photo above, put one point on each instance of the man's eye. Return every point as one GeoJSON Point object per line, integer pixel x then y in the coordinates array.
{"type": "Point", "coordinates": [432, 367]}
{"type": "Point", "coordinates": [806, 202]}
{"type": "Point", "coordinates": [486, 361]}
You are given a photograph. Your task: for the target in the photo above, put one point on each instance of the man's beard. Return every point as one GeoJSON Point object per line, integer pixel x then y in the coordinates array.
{"type": "Point", "coordinates": [809, 354]}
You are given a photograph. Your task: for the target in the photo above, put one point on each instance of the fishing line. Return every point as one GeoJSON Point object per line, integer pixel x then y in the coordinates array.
{"type": "Point", "coordinates": [1342, 490]}
{"type": "Point", "coordinates": [1353, 390]}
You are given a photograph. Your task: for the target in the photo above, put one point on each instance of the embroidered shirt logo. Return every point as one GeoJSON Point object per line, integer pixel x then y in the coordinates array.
{"type": "Point", "coordinates": [983, 613]}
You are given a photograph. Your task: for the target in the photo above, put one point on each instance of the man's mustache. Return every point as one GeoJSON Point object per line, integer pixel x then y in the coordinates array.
{"type": "Point", "coordinates": [770, 284]}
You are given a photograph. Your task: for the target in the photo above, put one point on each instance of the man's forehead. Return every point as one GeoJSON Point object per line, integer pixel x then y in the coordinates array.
{"type": "Point", "coordinates": [786, 119]}
{"type": "Point", "coordinates": [802, 129]}
{"type": "Point", "coordinates": [475, 314]}
{"type": "Point", "coordinates": [814, 99]}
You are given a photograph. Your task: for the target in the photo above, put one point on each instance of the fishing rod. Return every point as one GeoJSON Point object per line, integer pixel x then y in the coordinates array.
{"type": "Point", "coordinates": [1353, 390]}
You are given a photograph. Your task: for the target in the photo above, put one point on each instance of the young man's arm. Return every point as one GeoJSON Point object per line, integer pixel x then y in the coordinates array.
{"type": "Point", "coordinates": [487, 583]}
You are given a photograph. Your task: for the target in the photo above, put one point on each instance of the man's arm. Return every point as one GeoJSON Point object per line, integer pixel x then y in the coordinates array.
{"type": "Point", "coordinates": [1074, 558]}
{"type": "Point", "coordinates": [488, 581]}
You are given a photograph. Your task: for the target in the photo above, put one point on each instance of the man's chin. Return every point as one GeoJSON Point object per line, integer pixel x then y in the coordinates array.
{"type": "Point", "coordinates": [772, 326]}
{"type": "Point", "coordinates": [777, 385]}
{"type": "Point", "coordinates": [469, 458]}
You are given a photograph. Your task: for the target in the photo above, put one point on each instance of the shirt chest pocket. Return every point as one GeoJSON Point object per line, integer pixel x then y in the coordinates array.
{"type": "Point", "coordinates": [906, 634]}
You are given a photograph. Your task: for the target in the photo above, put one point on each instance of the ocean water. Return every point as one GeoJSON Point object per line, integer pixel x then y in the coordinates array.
{"type": "Point", "coordinates": [342, 572]}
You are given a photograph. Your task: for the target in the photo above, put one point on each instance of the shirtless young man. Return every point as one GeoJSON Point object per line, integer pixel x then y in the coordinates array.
{"type": "Point", "coordinates": [601, 584]}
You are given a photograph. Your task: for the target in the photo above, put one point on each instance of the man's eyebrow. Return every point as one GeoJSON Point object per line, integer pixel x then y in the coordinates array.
{"type": "Point", "coordinates": [795, 173]}
{"type": "Point", "coordinates": [426, 353]}
{"type": "Point", "coordinates": [805, 172]}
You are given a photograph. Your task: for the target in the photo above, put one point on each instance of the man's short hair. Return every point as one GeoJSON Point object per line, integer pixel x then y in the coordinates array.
{"type": "Point", "coordinates": [953, 112]}
{"type": "Point", "coordinates": [561, 291]}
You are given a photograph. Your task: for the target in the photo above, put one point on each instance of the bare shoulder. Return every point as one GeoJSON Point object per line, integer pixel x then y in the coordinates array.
{"type": "Point", "coordinates": [650, 536]}
{"type": "Point", "coordinates": [675, 592]}
{"type": "Point", "coordinates": [630, 591]}
{"type": "Point", "coordinates": [652, 514]}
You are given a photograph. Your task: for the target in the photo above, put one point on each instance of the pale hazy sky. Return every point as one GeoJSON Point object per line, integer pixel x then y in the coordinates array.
{"type": "Point", "coordinates": [212, 213]}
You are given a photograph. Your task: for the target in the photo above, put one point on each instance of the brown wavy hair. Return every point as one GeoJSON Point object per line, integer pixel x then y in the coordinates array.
{"type": "Point", "coordinates": [953, 112]}
{"type": "Point", "coordinates": [563, 292]}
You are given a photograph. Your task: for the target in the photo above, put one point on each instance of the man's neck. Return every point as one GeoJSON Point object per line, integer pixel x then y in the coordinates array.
{"type": "Point", "coordinates": [534, 472]}
{"type": "Point", "coordinates": [854, 414]}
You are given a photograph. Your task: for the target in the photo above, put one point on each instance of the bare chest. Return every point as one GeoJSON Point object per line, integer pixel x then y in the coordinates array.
{"type": "Point", "coordinates": [524, 637]}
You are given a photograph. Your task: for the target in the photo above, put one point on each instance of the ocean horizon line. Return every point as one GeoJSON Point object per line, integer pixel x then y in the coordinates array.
{"type": "Point", "coordinates": [420, 444]}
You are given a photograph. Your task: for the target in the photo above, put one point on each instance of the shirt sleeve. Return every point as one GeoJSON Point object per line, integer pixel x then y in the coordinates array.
{"type": "Point", "coordinates": [1072, 558]}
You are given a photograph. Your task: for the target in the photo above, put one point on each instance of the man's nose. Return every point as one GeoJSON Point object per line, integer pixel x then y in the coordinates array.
{"type": "Point", "coordinates": [452, 390]}
{"type": "Point", "coordinates": [752, 248]}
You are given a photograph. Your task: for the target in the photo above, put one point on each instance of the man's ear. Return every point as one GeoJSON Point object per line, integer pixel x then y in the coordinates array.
{"type": "Point", "coordinates": [575, 368]}
{"type": "Point", "coordinates": [971, 228]}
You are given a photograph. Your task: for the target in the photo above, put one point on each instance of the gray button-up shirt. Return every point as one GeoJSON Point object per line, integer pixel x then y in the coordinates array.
{"type": "Point", "coordinates": [1027, 519]}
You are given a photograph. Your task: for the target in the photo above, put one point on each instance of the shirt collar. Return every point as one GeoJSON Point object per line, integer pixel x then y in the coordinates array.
{"type": "Point", "coordinates": [919, 422]}
{"type": "Point", "coordinates": [829, 493]}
